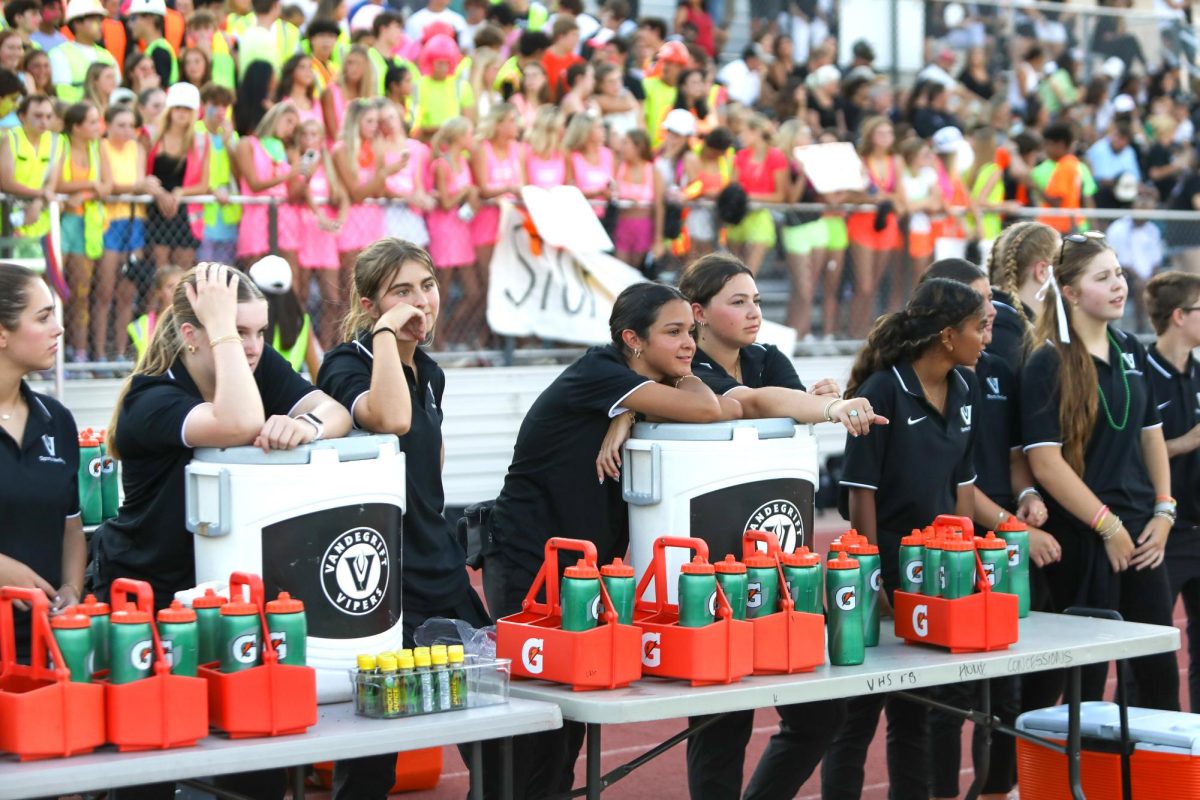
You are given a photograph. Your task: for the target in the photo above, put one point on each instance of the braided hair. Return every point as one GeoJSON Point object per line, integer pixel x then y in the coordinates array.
{"type": "Point", "coordinates": [937, 304]}
{"type": "Point", "coordinates": [1016, 249]}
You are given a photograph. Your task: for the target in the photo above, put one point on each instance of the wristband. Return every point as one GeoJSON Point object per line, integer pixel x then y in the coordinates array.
{"type": "Point", "coordinates": [1096, 520]}
{"type": "Point", "coordinates": [1165, 498]}
{"type": "Point", "coordinates": [1028, 490]}
{"type": "Point", "coordinates": [315, 421]}
{"type": "Point", "coordinates": [229, 337]}
{"type": "Point", "coordinates": [378, 331]}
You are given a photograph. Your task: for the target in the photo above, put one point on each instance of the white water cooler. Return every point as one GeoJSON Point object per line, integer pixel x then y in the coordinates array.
{"type": "Point", "coordinates": [716, 481]}
{"type": "Point", "coordinates": [322, 522]}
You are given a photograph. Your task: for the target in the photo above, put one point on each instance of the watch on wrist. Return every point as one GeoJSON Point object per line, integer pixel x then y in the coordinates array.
{"type": "Point", "coordinates": [315, 421]}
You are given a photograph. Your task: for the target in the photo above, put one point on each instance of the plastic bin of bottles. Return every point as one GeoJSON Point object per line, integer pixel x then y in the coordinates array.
{"type": "Point", "coordinates": [789, 639]}
{"type": "Point", "coordinates": [475, 683]}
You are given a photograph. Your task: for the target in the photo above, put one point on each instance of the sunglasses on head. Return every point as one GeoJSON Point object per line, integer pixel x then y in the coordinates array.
{"type": "Point", "coordinates": [1077, 238]}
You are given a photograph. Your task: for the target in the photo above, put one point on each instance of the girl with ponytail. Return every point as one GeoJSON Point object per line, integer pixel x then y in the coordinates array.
{"type": "Point", "coordinates": [1017, 267]}
{"type": "Point", "coordinates": [915, 371]}
{"type": "Point", "coordinates": [1094, 438]}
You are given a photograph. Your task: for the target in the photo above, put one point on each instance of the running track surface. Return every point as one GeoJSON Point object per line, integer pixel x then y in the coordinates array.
{"type": "Point", "coordinates": [665, 778]}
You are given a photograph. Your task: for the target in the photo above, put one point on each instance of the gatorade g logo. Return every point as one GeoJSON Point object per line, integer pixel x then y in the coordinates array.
{"type": "Point", "coordinates": [594, 608]}
{"type": "Point", "coordinates": [844, 599]}
{"type": "Point", "coordinates": [913, 571]}
{"type": "Point", "coordinates": [279, 642]}
{"type": "Point", "coordinates": [712, 604]}
{"type": "Point", "coordinates": [754, 595]}
{"type": "Point", "coordinates": [168, 647]}
{"type": "Point", "coordinates": [141, 656]}
{"type": "Point", "coordinates": [107, 466]}
{"type": "Point", "coordinates": [989, 571]}
{"type": "Point", "coordinates": [1014, 555]}
{"type": "Point", "coordinates": [95, 467]}
{"type": "Point", "coordinates": [920, 620]}
{"type": "Point", "coordinates": [942, 577]}
{"type": "Point", "coordinates": [651, 652]}
{"type": "Point", "coordinates": [245, 648]}
{"type": "Point", "coordinates": [782, 518]}
{"type": "Point", "coordinates": [355, 571]}
{"type": "Point", "coordinates": [876, 580]}
{"type": "Point", "coordinates": [532, 654]}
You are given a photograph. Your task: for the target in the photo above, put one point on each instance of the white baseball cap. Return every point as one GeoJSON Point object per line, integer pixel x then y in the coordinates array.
{"type": "Point", "coordinates": [1125, 189]}
{"type": "Point", "coordinates": [183, 95]}
{"type": "Point", "coordinates": [272, 274]}
{"type": "Point", "coordinates": [155, 7]}
{"type": "Point", "coordinates": [77, 9]}
{"type": "Point", "coordinates": [1123, 104]}
{"type": "Point", "coordinates": [946, 140]}
{"type": "Point", "coordinates": [680, 121]}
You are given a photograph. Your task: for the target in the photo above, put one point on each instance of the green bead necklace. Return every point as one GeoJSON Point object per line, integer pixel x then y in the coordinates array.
{"type": "Point", "coordinates": [1124, 382]}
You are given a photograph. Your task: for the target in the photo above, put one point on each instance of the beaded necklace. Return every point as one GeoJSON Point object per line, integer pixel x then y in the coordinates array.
{"type": "Point", "coordinates": [1124, 382]}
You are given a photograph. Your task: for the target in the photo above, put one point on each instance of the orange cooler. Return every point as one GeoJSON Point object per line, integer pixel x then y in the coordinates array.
{"type": "Point", "coordinates": [1165, 762]}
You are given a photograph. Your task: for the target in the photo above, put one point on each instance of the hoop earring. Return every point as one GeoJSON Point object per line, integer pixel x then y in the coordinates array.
{"type": "Point", "coordinates": [637, 352]}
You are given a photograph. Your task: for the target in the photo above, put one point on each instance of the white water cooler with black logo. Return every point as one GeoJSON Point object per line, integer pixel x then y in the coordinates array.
{"type": "Point", "coordinates": [716, 481]}
{"type": "Point", "coordinates": [322, 522]}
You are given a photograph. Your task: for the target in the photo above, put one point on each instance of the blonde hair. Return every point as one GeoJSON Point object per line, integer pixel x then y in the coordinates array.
{"type": "Point", "coordinates": [481, 59]}
{"type": "Point", "coordinates": [496, 115]}
{"type": "Point", "coordinates": [164, 124]}
{"type": "Point", "coordinates": [788, 133]}
{"type": "Point", "coordinates": [166, 342]}
{"type": "Point", "coordinates": [270, 121]}
{"type": "Point", "coordinates": [447, 134]}
{"type": "Point", "coordinates": [335, 188]}
{"type": "Point", "coordinates": [544, 135]}
{"type": "Point", "coordinates": [578, 130]}
{"type": "Point", "coordinates": [865, 143]}
{"type": "Point", "coordinates": [368, 85]}
{"type": "Point", "coordinates": [1016, 249]}
{"type": "Point", "coordinates": [89, 84]}
{"type": "Point", "coordinates": [351, 137]}
{"type": "Point", "coordinates": [373, 268]}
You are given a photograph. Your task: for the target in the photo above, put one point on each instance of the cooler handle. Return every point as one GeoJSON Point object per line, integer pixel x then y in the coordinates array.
{"type": "Point", "coordinates": [657, 572]}
{"type": "Point", "coordinates": [751, 538]}
{"type": "Point", "coordinates": [120, 591]}
{"type": "Point", "coordinates": [255, 594]}
{"type": "Point", "coordinates": [43, 646]}
{"type": "Point", "coordinates": [196, 478]}
{"type": "Point", "coordinates": [548, 575]}
{"type": "Point", "coordinates": [955, 521]}
{"type": "Point", "coordinates": [636, 498]}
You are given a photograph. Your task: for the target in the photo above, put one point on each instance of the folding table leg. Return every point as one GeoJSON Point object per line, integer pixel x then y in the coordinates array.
{"type": "Point", "coordinates": [594, 781]}
{"type": "Point", "coordinates": [984, 764]}
{"type": "Point", "coordinates": [506, 768]}
{"type": "Point", "coordinates": [476, 771]}
{"type": "Point", "coordinates": [297, 775]}
{"type": "Point", "coordinates": [1074, 745]}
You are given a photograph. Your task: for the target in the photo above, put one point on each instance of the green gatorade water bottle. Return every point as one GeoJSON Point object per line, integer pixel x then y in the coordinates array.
{"type": "Point", "coordinates": [289, 629]}
{"type": "Point", "coordinates": [130, 646]}
{"type": "Point", "coordinates": [731, 574]}
{"type": "Point", "coordinates": [958, 568]}
{"type": "Point", "coordinates": [1016, 537]}
{"type": "Point", "coordinates": [802, 572]}
{"type": "Point", "coordinates": [72, 631]}
{"type": "Point", "coordinates": [110, 493]}
{"type": "Point", "coordinates": [912, 562]}
{"type": "Point", "coordinates": [180, 635]}
{"type": "Point", "coordinates": [580, 597]}
{"type": "Point", "coordinates": [762, 586]}
{"type": "Point", "coordinates": [91, 501]}
{"type": "Point", "coordinates": [697, 594]}
{"type": "Point", "coordinates": [208, 625]}
{"type": "Point", "coordinates": [98, 613]}
{"type": "Point", "coordinates": [993, 553]}
{"type": "Point", "coordinates": [843, 618]}
{"type": "Point", "coordinates": [620, 585]}
{"type": "Point", "coordinates": [458, 675]}
{"type": "Point", "coordinates": [932, 571]}
{"type": "Point", "coordinates": [240, 632]}
{"type": "Point", "coordinates": [869, 572]}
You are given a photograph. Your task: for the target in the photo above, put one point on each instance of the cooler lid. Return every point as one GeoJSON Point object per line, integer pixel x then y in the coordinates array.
{"type": "Point", "coordinates": [774, 428]}
{"type": "Point", "coordinates": [1147, 726]}
{"type": "Point", "coordinates": [356, 447]}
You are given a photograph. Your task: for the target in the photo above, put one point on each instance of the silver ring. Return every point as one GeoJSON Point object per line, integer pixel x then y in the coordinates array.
{"type": "Point", "coordinates": [853, 412]}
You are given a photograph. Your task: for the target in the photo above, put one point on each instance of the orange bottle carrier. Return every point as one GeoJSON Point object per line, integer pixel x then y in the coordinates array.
{"type": "Point", "coordinates": [787, 641]}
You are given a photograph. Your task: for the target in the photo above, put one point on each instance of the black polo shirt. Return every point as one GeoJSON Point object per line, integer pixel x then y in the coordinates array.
{"type": "Point", "coordinates": [762, 365]}
{"type": "Point", "coordinates": [916, 463]}
{"type": "Point", "coordinates": [39, 491]}
{"type": "Point", "coordinates": [149, 539]}
{"type": "Point", "coordinates": [1008, 329]}
{"type": "Point", "coordinates": [999, 429]}
{"type": "Point", "coordinates": [1178, 396]}
{"type": "Point", "coordinates": [551, 487]}
{"type": "Point", "coordinates": [1114, 465]}
{"type": "Point", "coordinates": [434, 566]}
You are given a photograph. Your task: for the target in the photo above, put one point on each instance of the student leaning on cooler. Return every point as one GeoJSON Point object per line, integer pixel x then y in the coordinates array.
{"type": "Point", "coordinates": [1172, 301]}
{"type": "Point", "coordinates": [914, 370]}
{"type": "Point", "coordinates": [731, 362]}
{"type": "Point", "coordinates": [549, 489]}
{"type": "Point", "coordinates": [389, 384]}
{"type": "Point", "coordinates": [41, 540]}
{"type": "Point", "coordinates": [1094, 438]}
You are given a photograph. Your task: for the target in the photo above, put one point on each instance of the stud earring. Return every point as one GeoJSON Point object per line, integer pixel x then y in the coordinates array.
{"type": "Point", "coordinates": [191, 348]}
{"type": "Point", "coordinates": [637, 352]}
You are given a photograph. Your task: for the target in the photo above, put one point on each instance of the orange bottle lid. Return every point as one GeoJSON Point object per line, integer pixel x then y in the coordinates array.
{"type": "Point", "coordinates": [176, 612]}
{"type": "Point", "coordinates": [581, 570]}
{"type": "Point", "coordinates": [730, 566]}
{"type": "Point", "coordinates": [758, 561]}
{"type": "Point", "coordinates": [801, 559]}
{"type": "Point", "coordinates": [915, 538]}
{"type": "Point", "coordinates": [956, 545]}
{"type": "Point", "coordinates": [72, 618]}
{"type": "Point", "coordinates": [617, 569]}
{"type": "Point", "coordinates": [697, 566]}
{"type": "Point", "coordinates": [238, 608]}
{"type": "Point", "coordinates": [842, 561]}
{"type": "Point", "coordinates": [130, 616]}
{"type": "Point", "coordinates": [93, 607]}
{"type": "Point", "coordinates": [863, 548]}
{"type": "Point", "coordinates": [285, 604]}
{"type": "Point", "coordinates": [209, 599]}
{"type": "Point", "coordinates": [1011, 524]}
{"type": "Point", "coordinates": [990, 542]}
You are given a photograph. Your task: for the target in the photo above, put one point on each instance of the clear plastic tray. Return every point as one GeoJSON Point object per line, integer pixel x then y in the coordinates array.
{"type": "Point", "coordinates": [481, 682]}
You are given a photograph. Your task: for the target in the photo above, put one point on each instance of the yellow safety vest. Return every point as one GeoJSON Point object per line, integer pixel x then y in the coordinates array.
{"type": "Point", "coordinates": [31, 168]}
{"type": "Point", "coordinates": [219, 174]}
{"type": "Point", "coordinates": [140, 331]}
{"type": "Point", "coordinates": [73, 51]}
{"type": "Point", "coordinates": [299, 350]}
{"type": "Point", "coordinates": [95, 220]}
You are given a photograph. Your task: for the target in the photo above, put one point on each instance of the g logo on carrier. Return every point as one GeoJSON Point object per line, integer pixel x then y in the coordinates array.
{"type": "Point", "coordinates": [355, 571]}
{"type": "Point", "coordinates": [782, 518]}
{"type": "Point", "coordinates": [532, 653]}
{"type": "Point", "coordinates": [920, 621]}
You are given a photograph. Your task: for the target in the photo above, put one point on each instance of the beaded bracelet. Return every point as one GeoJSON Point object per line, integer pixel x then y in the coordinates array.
{"type": "Point", "coordinates": [1096, 520]}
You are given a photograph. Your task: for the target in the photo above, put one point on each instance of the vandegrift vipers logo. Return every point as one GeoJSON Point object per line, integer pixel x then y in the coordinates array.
{"type": "Point", "coordinates": [355, 571]}
{"type": "Point", "coordinates": [845, 599]}
{"type": "Point", "coordinates": [782, 518]}
{"type": "Point", "coordinates": [920, 620]}
{"type": "Point", "coordinates": [532, 655]}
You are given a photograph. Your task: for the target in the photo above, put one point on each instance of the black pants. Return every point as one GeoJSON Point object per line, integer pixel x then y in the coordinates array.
{"type": "Point", "coordinates": [945, 737]}
{"type": "Point", "coordinates": [1183, 573]}
{"type": "Point", "coordinates": [716, 754]}
{"type": "Point", "coordinates": [1083, 577]}
{"type": "Point", "coordinates": [372, 777]}
{"type": "Point", "coordinates": [543, 763]}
